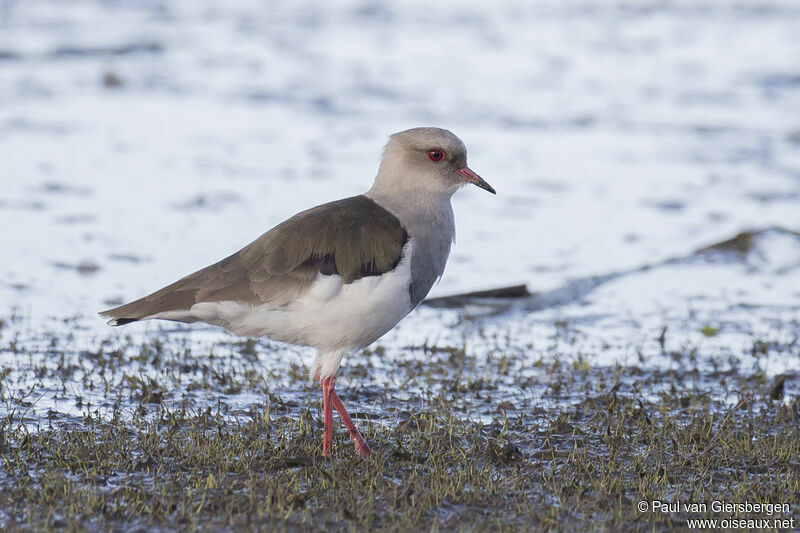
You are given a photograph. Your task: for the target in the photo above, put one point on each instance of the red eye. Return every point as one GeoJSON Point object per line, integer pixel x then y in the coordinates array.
{"type": "Point", "coordinates": [435, 155]}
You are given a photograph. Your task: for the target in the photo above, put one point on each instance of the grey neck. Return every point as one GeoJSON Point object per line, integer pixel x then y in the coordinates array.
{"type": "Point", "coordinates": [428, 219]}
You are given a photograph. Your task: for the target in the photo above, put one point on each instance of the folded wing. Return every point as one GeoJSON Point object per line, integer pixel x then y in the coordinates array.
{"type": "Point", "coordinates": [352, 238]}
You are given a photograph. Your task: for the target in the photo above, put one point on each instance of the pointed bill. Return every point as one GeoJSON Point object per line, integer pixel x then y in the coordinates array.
{"type": "Point", "coordinates": [470, 177]}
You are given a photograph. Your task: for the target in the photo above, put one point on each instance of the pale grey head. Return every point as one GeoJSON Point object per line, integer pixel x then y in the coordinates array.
{"type": "Point", "coordinates": [427, 160]}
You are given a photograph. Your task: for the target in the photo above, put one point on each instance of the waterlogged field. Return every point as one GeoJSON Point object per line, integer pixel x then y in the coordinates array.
{"type": "Point", "coordinates": [647, 163]}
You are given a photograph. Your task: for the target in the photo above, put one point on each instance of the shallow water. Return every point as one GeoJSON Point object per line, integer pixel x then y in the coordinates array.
{"type": "Point", "coordinates": [142, 141]}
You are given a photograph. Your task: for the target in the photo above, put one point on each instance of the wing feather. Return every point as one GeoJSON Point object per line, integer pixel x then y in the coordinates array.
{"type": "Point", "coordinates": [353, 238]}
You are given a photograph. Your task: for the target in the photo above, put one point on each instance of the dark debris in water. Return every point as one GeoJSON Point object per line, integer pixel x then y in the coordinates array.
{"type": "Point", "coordinates": [514, 291]}
{"type": "Point", "coordinates": [500, 300]}
{"type": "Point", "coordinates": [128, 258]}
{"type": "Point", "coordinates": [212, 202]}
{"type": "Point", "coordinates": [70, 51]}
{"type": "Point", "coordinates": [742, 243]}
{"type": "Point", "coordinates": [85, 267]}
{"type": "Point", "coordinates": [57, 187]}
{"type": "Point", "coordinates": [111, 80]}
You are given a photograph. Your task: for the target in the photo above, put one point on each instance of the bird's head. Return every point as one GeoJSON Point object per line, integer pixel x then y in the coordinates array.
{"type": "Point", "coordinates": [428, 160]}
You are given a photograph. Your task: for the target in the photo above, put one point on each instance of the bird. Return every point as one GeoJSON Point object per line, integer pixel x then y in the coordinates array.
{"type": "Point", "coordinates": [338, 276]}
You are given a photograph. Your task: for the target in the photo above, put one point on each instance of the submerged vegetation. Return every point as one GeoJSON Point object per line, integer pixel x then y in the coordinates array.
{"type": "Point", "coordinates": [160, 436]}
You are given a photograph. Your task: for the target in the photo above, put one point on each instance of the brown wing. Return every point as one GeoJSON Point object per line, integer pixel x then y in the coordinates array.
{"type": "Point", "coordinates": [353, 238]}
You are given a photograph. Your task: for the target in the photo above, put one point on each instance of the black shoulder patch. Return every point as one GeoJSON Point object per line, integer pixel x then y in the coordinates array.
{"type": "Point", "coordinates": [328, 265]}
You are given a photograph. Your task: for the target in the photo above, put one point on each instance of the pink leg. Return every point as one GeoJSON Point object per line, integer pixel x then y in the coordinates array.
{"type": "Point", "coordinates": [331, 399]}
{"type": "Point", "coordinates": [362, 448]}
{"type": "Point", "coordinates": [327, 404]}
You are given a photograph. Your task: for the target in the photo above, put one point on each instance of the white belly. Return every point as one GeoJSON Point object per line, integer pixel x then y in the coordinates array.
{"type": "Point", "coordinates": [330, 316]}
